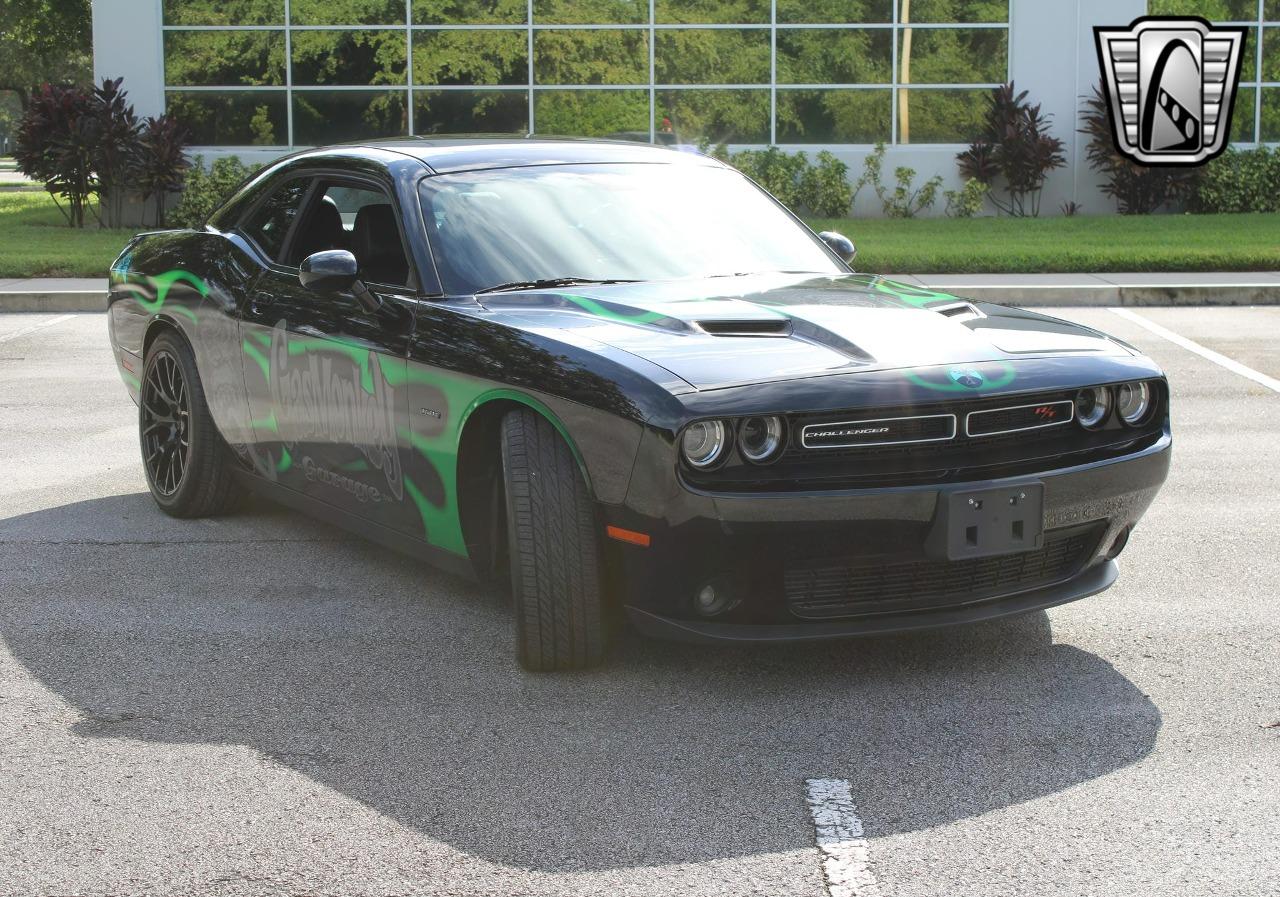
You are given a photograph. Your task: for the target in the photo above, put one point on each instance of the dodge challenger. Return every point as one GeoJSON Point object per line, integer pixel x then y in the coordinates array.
{"type": "Point", "coordinates": [625, 383]}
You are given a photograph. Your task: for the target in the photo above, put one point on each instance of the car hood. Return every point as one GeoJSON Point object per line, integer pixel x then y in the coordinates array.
{"type": "Point", "coordinates": [720, 332]}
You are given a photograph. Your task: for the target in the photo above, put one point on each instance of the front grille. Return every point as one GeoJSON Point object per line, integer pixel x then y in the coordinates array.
{"type": "Point", "coordinates": [864, 586]}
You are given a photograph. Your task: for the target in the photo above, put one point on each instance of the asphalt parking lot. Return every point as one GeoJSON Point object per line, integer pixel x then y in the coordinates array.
{"type": "Point", "coordinates": [260, 704]}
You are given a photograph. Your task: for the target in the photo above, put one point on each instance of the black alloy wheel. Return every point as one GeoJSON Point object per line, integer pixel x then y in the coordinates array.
{"type": "Point", "coordinates": [166, 424]}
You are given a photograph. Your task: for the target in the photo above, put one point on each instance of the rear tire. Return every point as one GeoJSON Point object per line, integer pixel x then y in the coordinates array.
{"type": "Point", "coordinates": [186, 461]}
{"type": "Point", "coordinates": [554, 550]}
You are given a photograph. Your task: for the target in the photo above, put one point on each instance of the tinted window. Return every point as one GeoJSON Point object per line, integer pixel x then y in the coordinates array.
{"type": "Point", "coordinates": [269, 224]}
{"type": "Point", "coordinates": [361, 220]}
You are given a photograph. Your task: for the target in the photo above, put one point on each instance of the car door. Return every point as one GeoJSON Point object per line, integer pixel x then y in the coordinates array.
{"type": "Point", "coordinates": [325, 372]}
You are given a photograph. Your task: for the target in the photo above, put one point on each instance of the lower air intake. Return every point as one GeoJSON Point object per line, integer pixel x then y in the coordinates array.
{"type": "Point", "coordinates": [854, 587]}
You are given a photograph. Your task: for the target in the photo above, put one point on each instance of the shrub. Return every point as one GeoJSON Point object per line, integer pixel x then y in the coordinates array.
{"type": "Point", "coordinates": [55, 146]}
{"type": "Point", "coordinates": [825, 189]}
{"type": "Point", "coordinates": [903, 201]}
{"type": "Point", "coordinates": [1137, 189]}
{"type": "Point", "coordinates": [968, 200]}
{"type": "Point", "coordinates": [207, 189]}
{"type": "Point", "coordinates": [1239, 181]}
{"type": "Point", "coordinates": [163, 163]}
{"type": "Point", "coordinates": [774, 170]}
{"type": "Point", "coordinates": [1014, 151]}
{"type": "Point", "coordinates": [84, 143]}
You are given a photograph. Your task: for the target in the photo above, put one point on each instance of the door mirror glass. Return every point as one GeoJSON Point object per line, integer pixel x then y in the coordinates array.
{"type": "Point", "coordinates": [330, 271]}
{"type": "Point", "coordinates": [840, 245]}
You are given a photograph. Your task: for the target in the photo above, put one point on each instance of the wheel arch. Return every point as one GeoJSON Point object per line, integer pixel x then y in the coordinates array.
{"type": "Point", "coordinates": [159, 324]}
{"type": "Point", "coordinates": [479, 482]}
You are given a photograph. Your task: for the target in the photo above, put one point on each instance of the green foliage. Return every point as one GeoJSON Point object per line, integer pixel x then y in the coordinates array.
{"type": "Point", "coordinates": [1137, 189]}
{"type": "Point", "coordinates": [774, 170]}
{"type": "Point", "coordinates": [1240, 181]}
{"type": "Point", "coordinates": [824, 188]}
{"type": "Point", "coordinates": [207, 189]}
{"type": "Point", "coordinates": [44, 41]}
{"type": "Point", "coordinates": [1015, 151]}
{"type": "Point", "coordinates": [968, 201]}
{"type": "Point", "coordinates": [903, 200]}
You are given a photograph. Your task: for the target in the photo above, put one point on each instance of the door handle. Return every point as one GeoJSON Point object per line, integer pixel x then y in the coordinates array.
{"type": "Point", "coordinates": [260, 301]}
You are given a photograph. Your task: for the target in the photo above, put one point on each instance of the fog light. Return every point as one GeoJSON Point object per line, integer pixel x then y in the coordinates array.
{"type": "Point", "coordinates": [713, 599]}
{"type": "Point", "coordinates": [1118, 544]}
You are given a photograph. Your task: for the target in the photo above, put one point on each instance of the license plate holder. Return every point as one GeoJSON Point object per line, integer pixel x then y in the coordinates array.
{"type": "Point", "coordinates": [988, 522]}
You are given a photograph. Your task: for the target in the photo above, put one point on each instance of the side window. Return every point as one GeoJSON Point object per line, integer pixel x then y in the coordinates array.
{"type": "Point", "coordinates": [269, 225]}
{"type": "Point", "coordinates": [361, 220]}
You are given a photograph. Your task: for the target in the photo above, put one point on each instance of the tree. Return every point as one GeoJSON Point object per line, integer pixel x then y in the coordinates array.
{"type": "Point", "coordinates": [44, 41]}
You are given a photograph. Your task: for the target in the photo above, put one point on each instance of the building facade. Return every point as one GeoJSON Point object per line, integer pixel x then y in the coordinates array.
{"type": "Point", "coordinates": [261, 77]}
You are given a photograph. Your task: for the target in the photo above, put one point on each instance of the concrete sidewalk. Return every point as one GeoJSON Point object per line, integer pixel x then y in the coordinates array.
{"type": "Point", "coordinates": [1248, 288]}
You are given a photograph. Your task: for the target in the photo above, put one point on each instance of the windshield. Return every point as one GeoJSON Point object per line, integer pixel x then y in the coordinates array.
{"type": "Point", "coordinates": [608, 222]}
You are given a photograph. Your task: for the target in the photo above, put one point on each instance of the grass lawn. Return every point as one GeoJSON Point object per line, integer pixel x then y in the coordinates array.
{"type": "Point", "coordinates": [1060, 244]}
{"type": "Point", "coordinates": [35, 242]}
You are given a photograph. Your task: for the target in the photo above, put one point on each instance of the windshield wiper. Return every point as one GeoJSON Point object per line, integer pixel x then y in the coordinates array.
{"type": "Point", "coordinates": [548, 284]}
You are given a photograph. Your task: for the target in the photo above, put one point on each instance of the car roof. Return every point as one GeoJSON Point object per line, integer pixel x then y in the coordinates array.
{"type": "Point", "coordinates": [448, 154]}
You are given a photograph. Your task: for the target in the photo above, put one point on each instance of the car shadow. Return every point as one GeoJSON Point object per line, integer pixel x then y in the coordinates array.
{"type": "Point", "coordinates": [395, 685]}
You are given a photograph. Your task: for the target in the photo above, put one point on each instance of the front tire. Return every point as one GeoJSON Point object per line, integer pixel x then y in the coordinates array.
{"type": "Point", "coordinates": [554, 549]}
{"type": "Point", "coordinates": [186, 462]}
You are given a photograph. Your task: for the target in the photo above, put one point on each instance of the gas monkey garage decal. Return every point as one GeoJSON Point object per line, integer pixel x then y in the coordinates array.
{"type": "Point", "coordinates": [326, 392]}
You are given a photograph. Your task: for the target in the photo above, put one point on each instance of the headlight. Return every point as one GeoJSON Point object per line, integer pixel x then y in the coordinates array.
{"type": "Point", "coordinates": [760, 439]}
{"type": "Point", "coordinates": [1093, 405]}
{"type": "Point", "coordinates": [1133, 401]}
{"type": "Point", "coordinates": [704, 443]}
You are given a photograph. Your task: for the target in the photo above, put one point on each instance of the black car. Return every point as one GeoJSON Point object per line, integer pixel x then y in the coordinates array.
{"type": "Point", "coordinates": [626, 380]}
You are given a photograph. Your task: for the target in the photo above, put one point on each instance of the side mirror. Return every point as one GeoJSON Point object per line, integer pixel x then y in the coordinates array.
{"type": "Point", "coordinates": [336, 271]}
{"type": "Point", "coordinates": [332, 271]}
{"type": "Point", "coordinates": [840, 245]}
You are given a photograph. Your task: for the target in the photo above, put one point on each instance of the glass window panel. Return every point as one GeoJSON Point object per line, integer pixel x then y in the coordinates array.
{"type": "Point", "coordinates": [224, 12]}
{"type": "Point", "coordinates": [953, 55]}
{"type": "Point", "coordinates": [349, 12]}
{"type": "Point", "coordinates": [470, 12]}
{"type": "Point", "coordinates": [471, 111]}
{"type": "Point", "coordinates": [590, 12]}
{"type": "Point", "coordinates": [592, 113]}
{"type": "Point", "coordinates": [941, 116]}
{"type": "Point", "coordinates": [224, 58]}
{"type": "Point", "coordinates": [711, 56]}
{"type": "Point", "coordinates": [835, 56]}
{"type": "Point", "coordinates": [835, 116]}
{"type": "Point", "coordinates": [349, 57]}
{"type": "Point", "coordinates": [470, 57]}
{"type": "Point", "coordinates": [1270, 56]}
{"type": "Point", "coordinates": [233, 118]}
{"type": "Point", "coordinates": [1271, 11]}
{"type": "Point", "coordinates": [950, 11]}
{"type": "Point", "coordinates": [1244, 116]}
{"type": "Point", "coordinates": [836, 12]}
{"type": "Point", "coordinates": [716, 116]}
{"type": "Point", "coordinates": [1213, 10]}
{"type": "Point", "coordinates": [591, 57]}
{"type": "Point", "coordinates": [1270, 132]}
{"type": "Point", "coordinates": [711, 12]}
{"type": "Point", "coordinates": [270, 223]}
{"type": "Point", "coordinates": [335, 116]}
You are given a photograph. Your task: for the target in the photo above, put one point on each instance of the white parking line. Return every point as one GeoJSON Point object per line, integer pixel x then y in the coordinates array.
{"type": "Point", "coordinates": [846, 856]}
{"type": "Point", "coordinates": [1230, 364]}
{"type": "Point", "coordinates": [34, 327]}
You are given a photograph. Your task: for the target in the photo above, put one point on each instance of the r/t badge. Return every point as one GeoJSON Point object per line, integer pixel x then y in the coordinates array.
{"type": "Point", "coordinates": [1170, 84]}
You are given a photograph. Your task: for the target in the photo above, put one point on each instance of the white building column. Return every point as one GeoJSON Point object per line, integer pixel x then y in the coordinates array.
{"type": "Point", "coordinates": [128, 43]}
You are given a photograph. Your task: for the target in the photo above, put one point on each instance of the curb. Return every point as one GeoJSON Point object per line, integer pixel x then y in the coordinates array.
{"type": "Point", "coordinates": [86, 300]}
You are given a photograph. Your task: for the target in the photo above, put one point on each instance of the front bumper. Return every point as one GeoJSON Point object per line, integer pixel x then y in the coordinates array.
{"type": "Point", "coordinates": [752, 544]}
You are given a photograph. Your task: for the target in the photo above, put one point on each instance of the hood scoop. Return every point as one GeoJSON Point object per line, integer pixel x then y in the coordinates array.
{"type": "Point", "coordinates": [958, 311]}
{"type": "Point", "coordinates": [755, 327]}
